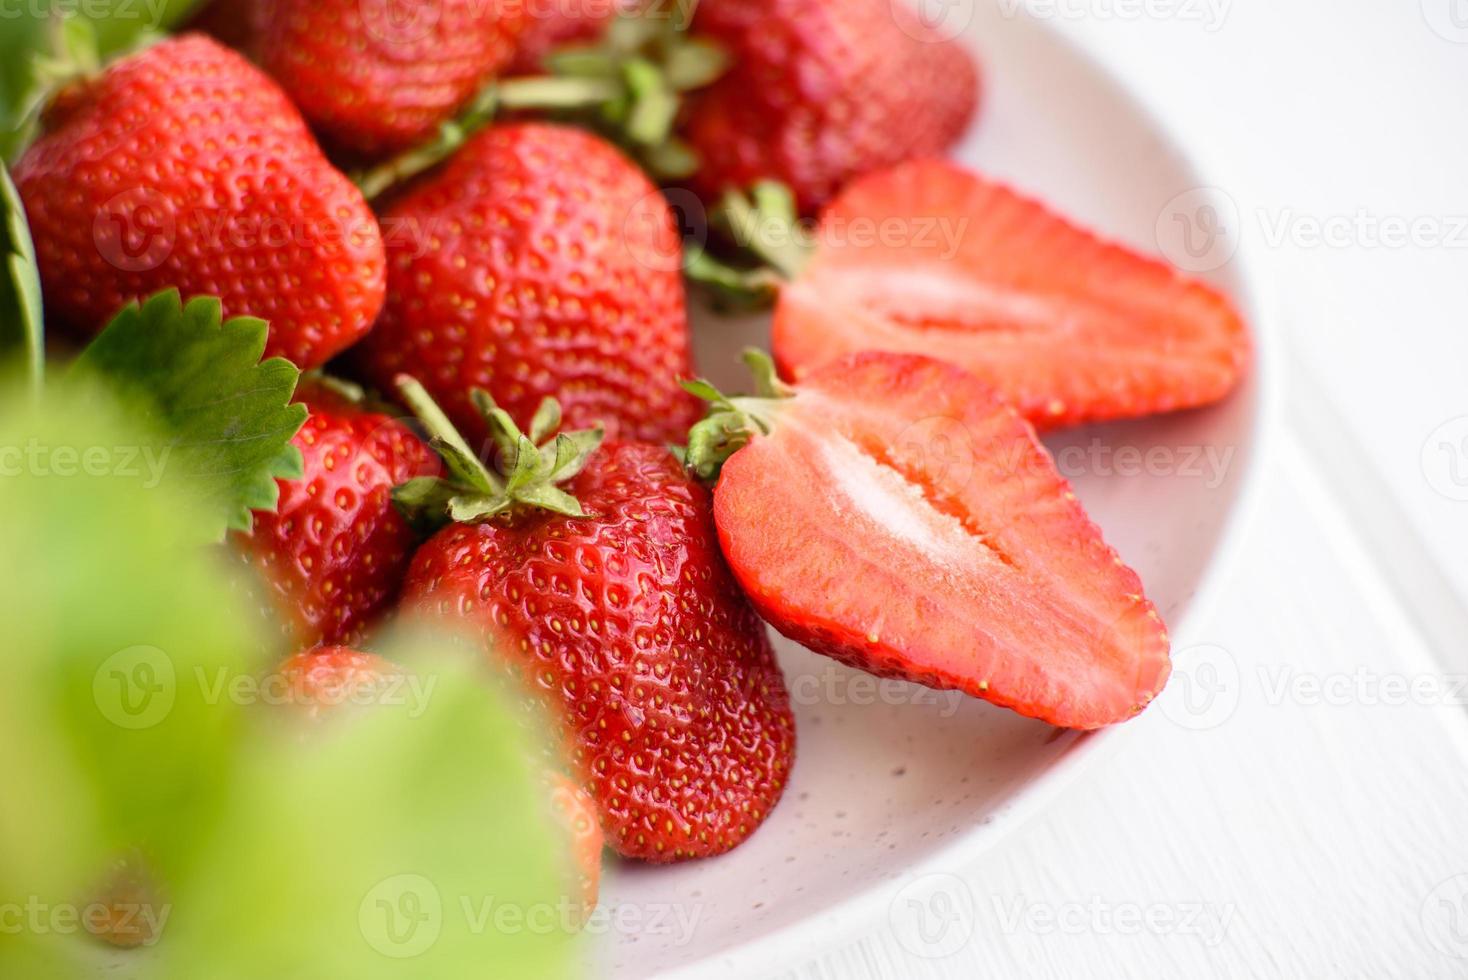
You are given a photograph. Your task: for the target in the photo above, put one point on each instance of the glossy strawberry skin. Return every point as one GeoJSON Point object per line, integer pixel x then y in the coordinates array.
{"type": "Point", "coordinates": [378, 76]}
{"type": "Point", "coordinates": [334, 552]}
{"type": "Point", "coordinates": [627, 623]}
{"type": "Point", "coordinates": [903, 519]}
{"type": "Point", "coordinates": [1069, 327]}
{"type": "Point", "coordinates": [184, 166]}
{"type": "Point", "coordinates": [538, 263]}
{"type": "Point", "coordinates": [823, 91]}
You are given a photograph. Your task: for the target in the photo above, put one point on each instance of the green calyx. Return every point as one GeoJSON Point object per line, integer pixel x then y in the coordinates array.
{"type": "Point", "coordinates": [767, 232]}
{"type": "Point", "coordinates": [732, 422]}
{"type": "Point", "coordinates": [629, 87]}
{"type": "Point", "coordinates": [528, 466]}
{"type": "Point", "coordinates": [506, 95]}
{"type": "Point", "coordinates": [652, 63]}
{"type": "Point", "coordinates": [71, 55]}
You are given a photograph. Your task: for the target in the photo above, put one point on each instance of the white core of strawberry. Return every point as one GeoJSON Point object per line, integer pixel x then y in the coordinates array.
{"type": "Point", "coordinates": [893, 505]}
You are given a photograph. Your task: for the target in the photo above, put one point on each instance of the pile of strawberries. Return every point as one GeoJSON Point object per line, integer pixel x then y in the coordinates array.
{"type": "Point", "coordinates": [614, 532]}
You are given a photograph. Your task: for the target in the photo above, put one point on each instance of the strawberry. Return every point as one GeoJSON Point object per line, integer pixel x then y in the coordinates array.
{"type": "Point", "coordinates": [538, 262]}
{"type": "Point", "coordinates": [893, 512]}
{"type": "Point", "coordinates": [609, 598]}
{"type": "Point", "coordinates": [377, 76]}
{"type": "Point", "coordinates": [335, 550]}
{"type": "Point", "coordinates": [184, 166]}
{"type": "Point", "coordinates": [576, 811]}
{"type": "Point", "coordinates": [823, 91]}
{"type": "Point", "coordinates": [1068, 327]}
{"type": "Point", "coordinates": [324, 679]}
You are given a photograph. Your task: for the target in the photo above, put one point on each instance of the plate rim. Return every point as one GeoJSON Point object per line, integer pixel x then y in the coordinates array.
{"type": "Point", "coordinates": [837, 924]}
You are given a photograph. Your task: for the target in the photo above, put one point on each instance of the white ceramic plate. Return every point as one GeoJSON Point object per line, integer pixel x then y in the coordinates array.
{"type": "Point", "coordinates": [894, 781]}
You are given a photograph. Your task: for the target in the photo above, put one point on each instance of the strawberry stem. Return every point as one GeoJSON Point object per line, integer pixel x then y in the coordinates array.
{"type": "Point", "coordinates": [763, 225]}
{"type": "Point", "coordinates": [629, 87]}
{"type": "Point", "coordinates": [473, 492]}
{"type": "Point", "coordinates": [733, 422]}
{"type": "Point", "coordinates": [513, 94]}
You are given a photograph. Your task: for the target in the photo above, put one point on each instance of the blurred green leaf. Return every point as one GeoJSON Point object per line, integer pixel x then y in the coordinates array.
{"type": "Point", "coordinates": [409, 838]}
{"type": "Point", "coordinates": [21, 328]}
{"type": "Point", "coordinates": [226, 416]}
{"type": "Point", "coordinates": [107, 741]}
{"type": "Point", "coordinates": [385, 842]}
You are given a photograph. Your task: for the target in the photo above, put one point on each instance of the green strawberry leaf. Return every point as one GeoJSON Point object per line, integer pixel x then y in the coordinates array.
{"type": "Point", "coordinates": [21, 329]}
{"type": "Point", "coordinates": [29, 49]}
{"type": "Point", "coordinates": [227, 417]}
{"type": "Point", "coordinates": [111, 734]}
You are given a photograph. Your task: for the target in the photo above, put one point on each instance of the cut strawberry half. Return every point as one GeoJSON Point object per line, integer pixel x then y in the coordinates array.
{"type": "Point", "coordinates": [893, 512]}
{"type": "Point", "coordinates": [929, 258]}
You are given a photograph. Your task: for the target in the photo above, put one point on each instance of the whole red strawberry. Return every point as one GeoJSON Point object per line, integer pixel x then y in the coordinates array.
{"type": "Point", "coordinates": [335, 550]}
{"type": "Point", "coordinates": [538, 262]}
{"type": "Point", "coordinates": [822, 91]}
{"type": "Point", "coordinates": [611, 600]}
{"type": "Point", "coordinates": [184, 166]}
{"type": "Point", "coordinates": [376, 76]}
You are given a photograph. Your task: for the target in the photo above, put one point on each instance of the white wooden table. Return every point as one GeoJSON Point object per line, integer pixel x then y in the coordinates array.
{"type": "Point", "coordinates": [1309, 819]}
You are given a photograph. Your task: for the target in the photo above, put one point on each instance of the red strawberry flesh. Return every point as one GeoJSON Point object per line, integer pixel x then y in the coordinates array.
{"type": "Point", "coordinates": [1070, 328]}
{"type": "Point", "coordinates": [903, 519]}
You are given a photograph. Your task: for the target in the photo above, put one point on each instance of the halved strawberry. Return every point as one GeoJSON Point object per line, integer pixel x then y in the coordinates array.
{"type": "Point", "coordinates": [895, 513]}
{"type": "Point", "coordinates": [929, 258]}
